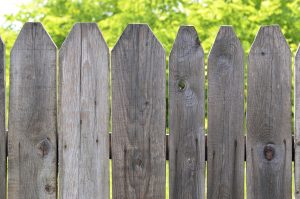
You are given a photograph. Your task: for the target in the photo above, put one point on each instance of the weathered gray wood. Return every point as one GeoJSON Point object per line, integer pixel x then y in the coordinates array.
{"type": "Point", "coordinates": [269, 147]}
{"type": "Point", "coordinates": [186, 116]}
{"type": "Point", "coordinates": [138, 115]}
{"type": "Point", "coordinates": [297, 123]}
{"type": "Point", "coordinates": [32, 140]}
{"type": "Point", "coordinates": [225, 137]}
{"type": "Point", "coordinates": [3, 137]}
{"type": "Point", "coordinates": [84, 114]}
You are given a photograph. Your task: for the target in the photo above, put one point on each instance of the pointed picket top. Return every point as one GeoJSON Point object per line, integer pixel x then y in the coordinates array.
{"type": "Point", "coordinates": [134, 32]}
{"type": "Point", "coordinates": [186, 38]}
{"type": "Point", "coordinates": [269, 40]}
{"type": "Point", "coordinates": [76, 29]}
{"type": "Point", "coordinates": [2, 47]}
{"type": "Point", "coordinates": [2, 50]}
{"type": "Point", "coordinates": [187, 103]}
{"type": "Point", "coordinates": [138, 115]}
{"type": "Point", "coordinates": [83, 113]}
{"type": "Point", "coordinates": [75, 33]}
{"type": "Point", "coordinates": [226, 42]}
{"type": "Point", "coordinates": [298, 52]}
{"type": "Point", "coordinates": [225, 135]}
{"type": "Point", "coordinates": [269, 116]}
{"type": "Point", "coordinates": [32, 139]}
{"type": "Point", "coordinates": [33, 36]}
{"type": "Point", "coordinates": [1, 42]}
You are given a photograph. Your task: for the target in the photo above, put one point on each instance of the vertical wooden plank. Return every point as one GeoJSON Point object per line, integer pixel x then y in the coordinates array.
{"type": "Point", "coordinates": [269, 147]}
{"type": "Point", "coordinates": [84, 114]}
{"type": "Point", "coordinates": [297, 123]}
{"type": "Point", "coordinates": [3, 143]}
{"type": "Point", "coordinates": [138, 115]}
{"type": "Point", "coordinates": [32, 140]}
{"type": "Point", "coordinates": [186, 113]}
{"type": "Point", "coordinates": [225, 141]}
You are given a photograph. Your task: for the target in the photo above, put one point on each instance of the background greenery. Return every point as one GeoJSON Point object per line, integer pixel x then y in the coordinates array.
{"type": "Point", "coordinates": [163, 16]}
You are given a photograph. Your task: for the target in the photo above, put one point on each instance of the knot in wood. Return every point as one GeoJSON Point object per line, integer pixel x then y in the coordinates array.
{"type": "Point", "coordinates": [50, 189]}
{"type": "Point", "coordinates": [269, 152]}
{"type": "Point", "coordinates": [44, 147]}
{"type": "Point", "coordinates": [182, 84]}
{"type": "Point", "coordinates": [139, 163]}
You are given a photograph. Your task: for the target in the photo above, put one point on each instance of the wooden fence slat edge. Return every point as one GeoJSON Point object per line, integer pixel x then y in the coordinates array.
{"type": "Point", "coordinates": [186, 112]}
{"type": "Point", "coordinates": [3, 136]}
{"type": "Point", "coordinates": [84, 114]}
{"type": "Point", "coordinates": [32, 138]}
{"type": "Point", "coordinates": [297, 123]}
{"type": "Point", "coordinates": [138, 115]}
{"type": "Point", "coordinates": [225, 134]}
{"type": "Point", "coordinates": [269, 158]}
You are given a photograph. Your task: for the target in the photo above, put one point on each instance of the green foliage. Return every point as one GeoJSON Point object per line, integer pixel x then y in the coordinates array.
{"type": "Point", "coordinates": [163, 16]}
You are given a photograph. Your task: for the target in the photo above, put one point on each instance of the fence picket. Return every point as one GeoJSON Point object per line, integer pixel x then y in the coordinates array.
{"type": "Point", "coordinates": [225, 141]}
{"type": "Point", "coordinates": [297, 123]}
{"type": "Point", "coordinates": [269, 147]}
{"type": "Point", "coordinates": [3, 137]}
{"type": "Point", "coordinates": [186, 110]}
{"type": "Point", "coordinates": [32, 141]}
{"type": "Point", "coordinates": [79, 149]}
{"type": "Point", "coordinates": [138, 115]}
{"type": "Point", "coordinates": [84, 114]}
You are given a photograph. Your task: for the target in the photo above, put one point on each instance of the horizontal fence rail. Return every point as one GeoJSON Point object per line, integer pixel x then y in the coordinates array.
{"type": "Point", "coordinates": [58, 143]}
{"type": "Point", "coordinates": [205, 142]}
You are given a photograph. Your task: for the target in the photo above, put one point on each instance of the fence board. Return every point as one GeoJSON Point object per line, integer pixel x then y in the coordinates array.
{"type": "Point", "coordinates": [2, 123]}
{"type": "Point", "coordinates": [269, 147]}
{"type": "Point", "coordinates": [225, 166]}
{"type": "Point", "coordinates": [32, 141]}
{"type": "Point", "coordinates": [138, 115]}
{"type": "Point", "coordinates": [84, 114]}
{"type": "Point", "coordinates": [297, 123]}
{"type": "Point", "coordinates": [186, 111]}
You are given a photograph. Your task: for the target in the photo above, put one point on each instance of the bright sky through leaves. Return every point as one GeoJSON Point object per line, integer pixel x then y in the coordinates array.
{"type": "Point", "coordinates": [9, 7]}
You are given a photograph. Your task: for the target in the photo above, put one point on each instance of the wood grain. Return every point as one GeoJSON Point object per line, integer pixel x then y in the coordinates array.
{"type": "Point", "coordinates": [269, 147]}
{"type": "Point", "coordinates": [3, 141]}
{"type": "Point", "coordinates": [32, 137]}
{"type": "Point", "coordinates": [138, 115]}
{"type": "Point", "coordinates": [297, 123]}
{"type": "Point", "coordinates": [84, 114]}
{"type": "Point", "coordinates": [186, 113]}
{"type": "Point", "coordinates": [225, 141]}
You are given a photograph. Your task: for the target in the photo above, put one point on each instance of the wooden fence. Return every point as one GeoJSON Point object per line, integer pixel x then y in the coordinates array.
{"type": "Point", "coordinates": [58, 143]}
